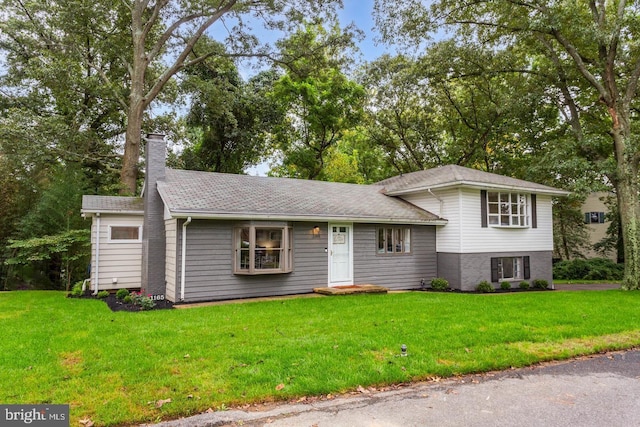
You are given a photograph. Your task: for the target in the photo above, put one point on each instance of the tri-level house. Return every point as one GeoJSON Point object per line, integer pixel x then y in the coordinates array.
{"type": "Point", "coordinates": [201, 236]}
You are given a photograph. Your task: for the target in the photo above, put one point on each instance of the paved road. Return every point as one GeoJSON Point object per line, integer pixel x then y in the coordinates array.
{"type": "Point", "coordinates": [594, 391]}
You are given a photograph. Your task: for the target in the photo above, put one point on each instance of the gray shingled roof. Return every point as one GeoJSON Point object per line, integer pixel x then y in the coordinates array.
{"type": "Point", "coordinates": [217, 195]}
{"type": "Point", "coordinates": [112, 204]}
{"type": "Point", "coordinates": [454, 175]}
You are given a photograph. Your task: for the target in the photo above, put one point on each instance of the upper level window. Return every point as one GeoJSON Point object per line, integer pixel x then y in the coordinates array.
{"type": "Point", "coordinates": [594, 218]}
{"type": "Point", "coordinates": [124, 233]}
{"type": "Point", "coordinates": [507, 209]}
{"type": "Point", "coordinates": [263, 249]}
{"type": "Point", "coordinates": [394, 240]}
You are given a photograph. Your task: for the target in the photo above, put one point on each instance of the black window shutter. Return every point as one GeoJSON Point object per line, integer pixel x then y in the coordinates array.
{"type": "Point", "coordinates": [587, 217]}
{"type": "Point", "coordinates": [534, 212]}
{"type": "Point", "coordinates": [495, 270]}
{"type": "Point", "coordinates": [601, 217]}
{"type": "Point", "coordinates": [527, 267]}
{"type": "Point", "coordinates": [483, 208]}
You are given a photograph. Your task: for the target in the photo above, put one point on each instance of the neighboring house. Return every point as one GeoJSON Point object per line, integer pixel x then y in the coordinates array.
{"type": "Point", "coordinates": [594, 211]}
{"type": "Point", "coordinates": [198, 236]}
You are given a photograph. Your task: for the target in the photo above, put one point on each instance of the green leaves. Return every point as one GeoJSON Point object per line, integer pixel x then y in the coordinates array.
{"type": "Point", "coordinates": [72, 244]}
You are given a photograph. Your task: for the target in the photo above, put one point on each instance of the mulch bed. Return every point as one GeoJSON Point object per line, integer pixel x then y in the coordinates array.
{"type": "Point", "coordinates": [118, 305]}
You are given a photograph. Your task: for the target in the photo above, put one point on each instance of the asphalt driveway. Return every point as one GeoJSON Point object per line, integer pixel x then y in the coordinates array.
{"type": "Point", "coordinates": [589, 391]}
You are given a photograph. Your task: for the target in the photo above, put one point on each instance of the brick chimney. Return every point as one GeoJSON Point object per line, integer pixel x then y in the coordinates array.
{"type": "Point", "coordinates": [153, 235]}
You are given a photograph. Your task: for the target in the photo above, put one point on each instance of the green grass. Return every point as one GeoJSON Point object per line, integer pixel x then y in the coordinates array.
{"type": "Point", "coordinates": [113, 367]}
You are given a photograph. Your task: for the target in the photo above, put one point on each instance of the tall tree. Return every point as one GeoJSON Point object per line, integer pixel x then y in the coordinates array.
{"type": "Point", "coordinates": [320, 101]}
{"type": "Point", "coordinates": [595, 39]}
{"type": "Point", "coordinates": [151, 40]}
{"type": "Point", "coordinates": [229, 120]}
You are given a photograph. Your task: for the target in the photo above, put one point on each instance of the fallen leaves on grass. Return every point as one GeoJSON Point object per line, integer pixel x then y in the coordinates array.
{"type": "Point", "coordinates": [86, 422]}
{"type": "Point", "coordinates": [280, 386]}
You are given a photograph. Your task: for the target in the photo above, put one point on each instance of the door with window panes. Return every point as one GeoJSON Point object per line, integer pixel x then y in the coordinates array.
{"type": "Point", "coordinates": [340, 258]}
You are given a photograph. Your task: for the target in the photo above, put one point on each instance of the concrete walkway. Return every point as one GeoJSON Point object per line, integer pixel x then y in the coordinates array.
{"type": "Point", "coordinates": [586, 287]}
{"type": "Point", "coordinates": [587, 392]}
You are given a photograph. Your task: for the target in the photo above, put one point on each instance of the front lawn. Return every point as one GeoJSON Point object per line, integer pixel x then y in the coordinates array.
{"type": "Point", "coordinates": [122, 368]}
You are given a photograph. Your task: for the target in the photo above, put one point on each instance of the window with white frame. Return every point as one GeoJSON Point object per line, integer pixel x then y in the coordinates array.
{"type": "Point", "coordinates": [393, 240]}
{"type": "Point", "coordinates": [507, 209]}
{"type": "Point", "coordinates": [263, 249]}
{"type": "Point", "coordinates": [127, 233]}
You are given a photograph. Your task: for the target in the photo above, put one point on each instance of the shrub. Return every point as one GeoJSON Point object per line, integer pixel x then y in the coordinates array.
{"type": "Point", "coordinates": [524, 285]}
{"type": "Point", "coordinates": [76, 291]}
{"type": "Point", "coordinates": [505, 286]}
{"type": "Point", "coordinates": [103, 294]}
{"type": "Point", "coordinates": [540, 284]}
{"type": "Point", "coordinates": [127, 299]}
{"type": "Point", "coordinates": [144, 302]}
{"type": "Point", "coordinates": [485, 287]}
{"type": "Point", "coordinates": [122, 293]}
{"type": "Point", "coordinates": [439, 284]}
{"type": "Point", "coordinates": [591, 269]}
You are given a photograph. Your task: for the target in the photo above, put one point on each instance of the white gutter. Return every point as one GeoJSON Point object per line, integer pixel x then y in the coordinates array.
{"type": "Point", "coordinates": [184, 257]}
{"type": "Point", "coordinates": [439, 199]}
{"type": "Point", "coordinates": [97, 272]}
{"type": "Point", "coordinates": [482, 185]}
{"type": "Point", "coordinates": [303, 218]}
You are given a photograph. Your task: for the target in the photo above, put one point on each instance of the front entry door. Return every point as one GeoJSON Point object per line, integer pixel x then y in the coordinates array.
{"type": "Point", "coordinates": [340, 255]}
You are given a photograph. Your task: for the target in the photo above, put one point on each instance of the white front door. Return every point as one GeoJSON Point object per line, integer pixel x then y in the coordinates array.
{"type": "Point", "coordinates": [340, 255]}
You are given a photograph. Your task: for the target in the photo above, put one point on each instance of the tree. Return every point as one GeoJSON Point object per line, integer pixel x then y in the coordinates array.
{"type": "Point", "coordinates": [402, 119]}
{"type": "Point", "coordinates": [229, 120]}
{"type": "Point", "coordinates": [149, 40]}
{"type": "Point", "coordinates": [595, 41]}
{"type": "Point", "coordinates": [319, 101]}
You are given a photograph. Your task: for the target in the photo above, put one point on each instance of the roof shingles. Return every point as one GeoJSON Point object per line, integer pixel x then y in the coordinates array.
{"type": "Point", "coordinates": [225, 195]}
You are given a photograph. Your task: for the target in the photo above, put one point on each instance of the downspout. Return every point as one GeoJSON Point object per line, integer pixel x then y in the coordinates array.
{"type": "Point", "coordinates": [183, 261]}
{"type": "Point", "coordinates": [439, 199]}
{"type": "Point", "coordinates": [97, 272]}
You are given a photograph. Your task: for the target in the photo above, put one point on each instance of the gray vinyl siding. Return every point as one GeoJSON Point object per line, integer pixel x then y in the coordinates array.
{"type": "Point", "coordinates": [465, 271]}
{"type": "Point", "coordinates": [171, 231]}
{"type": "Point", "coordinates": [402, 271]}
{"type": "Point", "coordinates": [209, 264]}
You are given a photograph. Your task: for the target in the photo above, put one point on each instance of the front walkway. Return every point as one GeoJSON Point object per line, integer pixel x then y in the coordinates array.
{"type": "Point", "coordinates": [586, 287]}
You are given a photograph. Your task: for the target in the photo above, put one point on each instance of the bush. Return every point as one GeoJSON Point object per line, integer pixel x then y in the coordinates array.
{"type": "Point", "coordinates": [76, 291]}
{"type": "Point", "coordinates": [127, 299]}
{"type": "Point", "coordinates": [103, 294]}
{"type": "Point", "coordinates": [505, 286]}
{"type": "Point", "coordinates": [439, 284]}
{"type": "Point", "coordinates": [144, 302]}
{"type": "Point", "coordinates": [122, 293]}
{"type": "Point", "coordinates": [524, 285]}
{"type": "Point", "coordinates": [591, 269]}
{"type": "Point", "coordinates": [540, 284]}
{"type": "Point", "coordinates": [485, 287]}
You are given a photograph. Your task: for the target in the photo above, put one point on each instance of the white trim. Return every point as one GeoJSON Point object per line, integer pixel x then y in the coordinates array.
{"type": "Point", "coordinates": [349, 280]}
{"type": "Point", "coordinates": [97, 272]}
{"type": "Point", "coordinates": [481, 185]}
{"type": "Point", "coordinates": [183, 261]}
{"type": "Point", "coordinates": [303, 218]}
{"type": "Point", "coordinates": [124, 241]}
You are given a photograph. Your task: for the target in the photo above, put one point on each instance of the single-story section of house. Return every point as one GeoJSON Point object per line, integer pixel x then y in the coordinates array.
{"type": "Point", "coordinates": [200, 236]}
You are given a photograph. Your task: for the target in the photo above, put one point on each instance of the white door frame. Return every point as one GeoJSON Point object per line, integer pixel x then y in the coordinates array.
{"type": "Point", "coordinates": [347, 279]}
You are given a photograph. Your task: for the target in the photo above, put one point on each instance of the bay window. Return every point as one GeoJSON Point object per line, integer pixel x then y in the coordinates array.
{"type": "Point", "coordinates": [263, 249]}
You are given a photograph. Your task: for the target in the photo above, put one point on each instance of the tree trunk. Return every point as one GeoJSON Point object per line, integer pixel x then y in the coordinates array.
{"type": "Point", "coordinates": [129, 171]}
{"type": "Point", "coordinates": [137, 103]}
{"type": "Point", "coordinates": [627, 193]}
